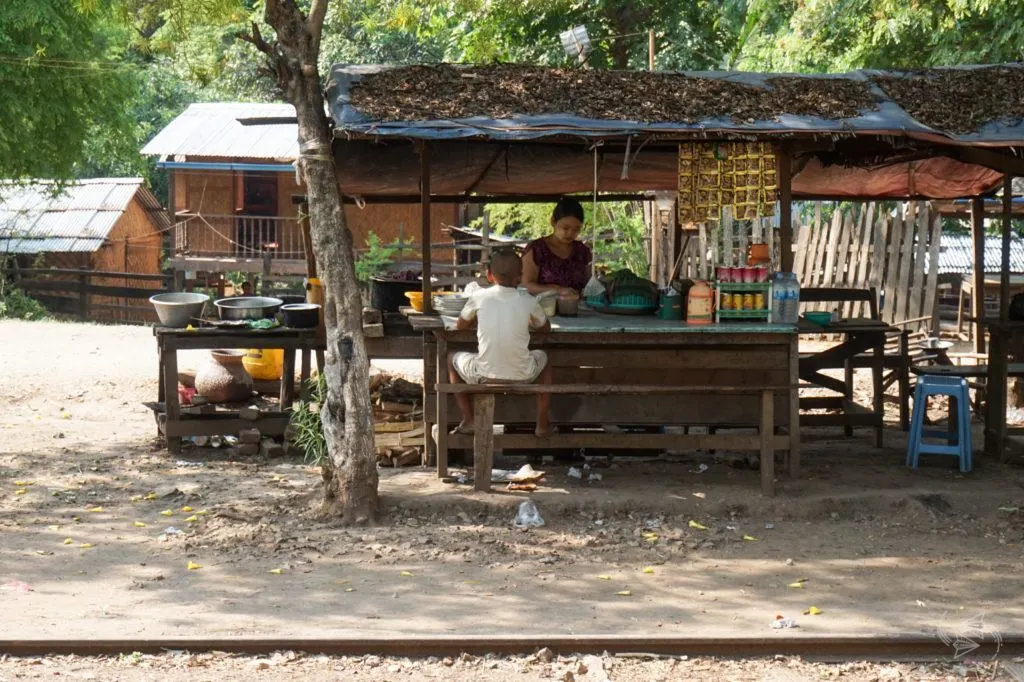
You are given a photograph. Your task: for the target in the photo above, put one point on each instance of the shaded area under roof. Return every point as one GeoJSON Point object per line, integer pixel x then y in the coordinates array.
{"type": "Point", "coordinates": [230, 130]}
{"type": "Point", "coordinates": [77, 220]}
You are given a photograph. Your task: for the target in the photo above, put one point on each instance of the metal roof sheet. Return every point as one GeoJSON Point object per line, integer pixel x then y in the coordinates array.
{"type": "Point", "coordinates": [231, 130]}
{"type": "Point", "coordinates": [956, 254]}
{"type": "Point", "coordinates": [35, 220]}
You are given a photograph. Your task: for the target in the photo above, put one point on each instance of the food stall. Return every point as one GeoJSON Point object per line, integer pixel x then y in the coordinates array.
{"type": "Point", "coordinates": [743, 142]}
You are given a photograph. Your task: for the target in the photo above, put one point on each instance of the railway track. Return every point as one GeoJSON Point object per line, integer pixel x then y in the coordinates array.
{"type": "Point", "coordinates": [933, 647]}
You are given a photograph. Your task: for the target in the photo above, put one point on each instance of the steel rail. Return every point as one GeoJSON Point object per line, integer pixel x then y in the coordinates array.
{"type": "Point", "coordinates": [896, 647]}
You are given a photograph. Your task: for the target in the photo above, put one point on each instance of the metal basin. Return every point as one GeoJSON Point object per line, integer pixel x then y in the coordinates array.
{"type": "Point", "coordinates": [247, 307]}
{"type": "Point", "coordinates": [178, 309]}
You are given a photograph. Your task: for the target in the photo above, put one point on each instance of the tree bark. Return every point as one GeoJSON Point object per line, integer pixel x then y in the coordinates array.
{"type": "Point", "coordinates": [350, 475]}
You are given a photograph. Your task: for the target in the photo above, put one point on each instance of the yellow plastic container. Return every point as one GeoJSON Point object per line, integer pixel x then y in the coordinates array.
{"type": "Point", "coordinates": [264, 363]}
{"type": "Point", "coordinates": [415, 300]}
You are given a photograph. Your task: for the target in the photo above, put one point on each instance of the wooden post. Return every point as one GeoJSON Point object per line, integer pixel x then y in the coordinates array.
{"type": "Point", "coordinates": [485, 242]}
{"type": "Point", "coordinates": [428, 305]}
{"type": "Point", "coordinates": [83, 296]}
{"type": "Point", "coordinates": [483, 440]}
{"type": "Point", "coordinates": [265, 280]}
{"type": "Point", "coordinates": [650, 50]}
{"type": "Point", "coordinates": [785, 208]}
{"type": "Point", "coordinates": [179, 280]}
{"type": "Point", "coordinates": [978, 283]}
{"type": "Point", "coordinates": [1004, 270]}
{"type": "Point", "coordinates": [768, 442]}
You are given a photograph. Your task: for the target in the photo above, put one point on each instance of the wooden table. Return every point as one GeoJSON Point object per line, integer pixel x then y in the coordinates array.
{"type": "Point", "coordinates": [863, 339]}
{"type": "Point", "coordinates": [174, 425]}
{"type": "Point", "coordinates": [602, 349]}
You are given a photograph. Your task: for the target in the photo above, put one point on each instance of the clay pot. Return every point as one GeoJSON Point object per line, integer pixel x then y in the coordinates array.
{"type": "Point", "coordinates": [223, 379]}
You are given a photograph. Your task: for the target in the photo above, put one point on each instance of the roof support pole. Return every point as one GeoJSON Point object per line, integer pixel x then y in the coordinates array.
{"type": "Point", "coordinates": [425, 245]}
{"type": "Point", "coordinates": [785, 207]}
{"type": "Point", "coordinates": [1000, 341]}
{"type": "Point", "coordinates": [978, 278]}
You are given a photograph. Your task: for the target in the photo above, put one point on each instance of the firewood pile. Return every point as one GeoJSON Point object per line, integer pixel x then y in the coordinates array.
{"type": "Point", "coordinates": [398, 420]}
{"type": "Point", "coordinates": [958, 100]}
{"type": "Point", "coordinates": [501, 91]}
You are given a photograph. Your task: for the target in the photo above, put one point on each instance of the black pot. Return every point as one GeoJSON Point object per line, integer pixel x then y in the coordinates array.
{"type": "Point", "coordinates": [292, 298]}
{"type": "Point", "coordinates": [386, 295]}
{"type": "Point", "coordinates": [301, 315]}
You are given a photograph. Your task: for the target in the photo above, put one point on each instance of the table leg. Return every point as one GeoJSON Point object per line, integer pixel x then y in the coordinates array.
{"type": "Point", "coordinates": [320, 362]}
{"type": "Point", "coordinates": [172, 405]}
{"type": "Point", "coordinates": [304, 375]}
{"type": "Point", "coordinates": [877, 370]}
{"type": "Point", "coordinates": [767, 446]}
{"type": "Point", "coordinates": [429, 400]}
{"type": "Point", "coordinates": [442, 409]}
{"type": "Point", "coordinates": [794, 407]}
{"type": "Point", "coordinates": [288, 379]}
{"type": "Point", "coordinates": [483, 441]}
{"type": "Point", "coordinates": [995, 398]}
{"type": "Point", "coordinates": [848, 393]}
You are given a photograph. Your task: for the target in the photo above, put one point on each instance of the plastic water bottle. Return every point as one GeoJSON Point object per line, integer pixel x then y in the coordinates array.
{"type": "Point", "coordinates": [778, 297]}
{"type": "Point", "coordinates": [793, 299]}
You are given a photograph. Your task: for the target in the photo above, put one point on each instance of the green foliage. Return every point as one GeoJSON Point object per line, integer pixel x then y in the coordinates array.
{"type": "Point", "coordinates": [16, 304]}
{"type": "Point", "coordinates": [64, 84]}
{"type": "Point", "coordinates": [377, 257]}
{"type": "Point", "coordinates": [306, 425]}
{"type": "Point", "coordinates": [834, 35]}
{"type": "Point", "coordinates": [617, 235]}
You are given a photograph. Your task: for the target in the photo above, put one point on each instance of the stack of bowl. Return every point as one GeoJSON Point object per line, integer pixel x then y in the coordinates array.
{"type": "Point", "coordinates": [450, 304]}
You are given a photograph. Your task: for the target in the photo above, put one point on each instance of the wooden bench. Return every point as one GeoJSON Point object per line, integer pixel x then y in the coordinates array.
{"type": "Point", "coordinates": [484, 439]}
{"type": "Point", "coordinates": [903, 348]}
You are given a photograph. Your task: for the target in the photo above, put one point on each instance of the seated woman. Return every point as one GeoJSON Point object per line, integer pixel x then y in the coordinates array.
{"type": "Point", "coordinates": [558, 262]}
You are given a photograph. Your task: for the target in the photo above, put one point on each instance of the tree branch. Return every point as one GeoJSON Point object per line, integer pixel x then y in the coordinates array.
{"type": "Point", "coordinates": [315, 23]}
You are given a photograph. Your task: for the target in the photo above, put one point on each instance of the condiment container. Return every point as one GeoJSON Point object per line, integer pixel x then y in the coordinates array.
{"type": "Point", "coordinates": [723, 273]}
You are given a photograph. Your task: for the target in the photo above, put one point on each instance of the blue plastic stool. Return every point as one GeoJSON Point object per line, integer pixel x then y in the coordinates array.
{"type": "Point", "coordinates": [958, 441]}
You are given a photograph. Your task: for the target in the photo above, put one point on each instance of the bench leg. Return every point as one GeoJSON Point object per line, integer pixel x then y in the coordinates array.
{"type": "Point", "coordinates": [767, 442]}
{"type": "Point", "coordinates": [848, 393]}
{"type": "Point", "coordinates": [483, 441]}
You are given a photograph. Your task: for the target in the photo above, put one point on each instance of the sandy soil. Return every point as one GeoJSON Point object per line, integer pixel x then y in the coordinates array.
{"type": "Point", "coordinates": [86, 552]}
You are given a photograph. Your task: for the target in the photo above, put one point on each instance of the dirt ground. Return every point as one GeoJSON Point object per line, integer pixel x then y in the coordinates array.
{"type": "Point", "coordinates": [88, 495]}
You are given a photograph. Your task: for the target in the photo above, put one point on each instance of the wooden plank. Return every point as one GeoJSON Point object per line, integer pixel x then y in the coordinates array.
{"type": "Point", "coordinates": [846, 263]}
{"type": "Point", "coordinates": [397, 427]}
{"type": "Point", "coordinates": [864, 253]}
{"type": "Point", "coordinates": [879, 237]}
{"type": "Point", "coordinates": [425, 224]}
{"type": "Point", "coordinates": [829, 249]}
{"type": "Point", "coordinates": [591, 389]}
{"type": "Point", "coordinates": [652, 376]}
{"type": "Point", "coordinates": [442, 418]}
{"type": "Point", "coordinates": [919, 288]}
{"type": "Point", "coordinates": [170, 398]}
{"type": "Point", "coordinates": [628, 441]}
{"type": "Point", "coordinates": [978, 276]}
{"type": "Point", "coordinates": [891, 245]}
{"type": "Point", "coordinates": [710, 358]}
{"type": "Point", "coordinates": [902, 308]}
{"type": "Point", "coordinates": [793, 408]}
{"type": "Point", "coordinates": [800, 260]}
{"type": "Point", "coordinates": [703, 240]}
{"type": "Point", "coordinates": [767, 434]}
{"type": "Point", "coordinates": [812, 266]}
{"type": "Point", "coordinates": [931, 282]}
{"type": "Point", "coordinates": [483, 441]}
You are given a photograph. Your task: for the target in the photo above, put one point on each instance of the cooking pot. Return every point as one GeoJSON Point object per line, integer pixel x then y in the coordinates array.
{"type": "Point", "coordinates": [301, 315]}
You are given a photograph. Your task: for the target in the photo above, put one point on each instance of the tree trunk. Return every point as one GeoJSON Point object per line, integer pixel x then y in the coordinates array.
{"type": "Point", "coordinates": [350, 475]}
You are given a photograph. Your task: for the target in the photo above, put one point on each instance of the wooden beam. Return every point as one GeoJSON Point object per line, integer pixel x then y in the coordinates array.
{"type": "Point", "coordinates": [978, 297]}
{"type": "Point", "coordinates": [785, 207]}
{"type": "Point", "coordinates": [1004, 270]}
{"type": "Point", "coordinates": [1004, 163]}
{"type": "Point", "coordinates": [428, 305]}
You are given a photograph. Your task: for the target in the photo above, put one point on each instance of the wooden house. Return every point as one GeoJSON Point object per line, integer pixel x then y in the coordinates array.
{"type": "Point", "coordinates": [234, 195]}
{"type": "Point", "coordinates": [101, 225]}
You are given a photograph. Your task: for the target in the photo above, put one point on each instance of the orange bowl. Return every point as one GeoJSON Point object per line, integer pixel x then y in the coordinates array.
{"type": "Point", "coordinates": [415, 300]}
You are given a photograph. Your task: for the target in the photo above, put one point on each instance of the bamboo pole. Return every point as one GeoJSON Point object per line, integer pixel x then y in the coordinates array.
{"type": "Point", "coordinates": [978, 277]}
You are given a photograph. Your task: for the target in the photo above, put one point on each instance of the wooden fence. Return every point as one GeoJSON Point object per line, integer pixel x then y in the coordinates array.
{"type": "Point", "coordinates": [93, 295]}
{"type": "Point", "coordinates": [888, 247]}
{"type": "Point", "coordinates": [858, 246]}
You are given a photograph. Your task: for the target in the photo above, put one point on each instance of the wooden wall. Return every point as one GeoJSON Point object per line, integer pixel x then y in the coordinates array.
{"type": "Point", "coordinates": [212, 193]}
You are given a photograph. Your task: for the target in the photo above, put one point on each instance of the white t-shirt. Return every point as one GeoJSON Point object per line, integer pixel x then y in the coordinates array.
{"type": "Point", "coordinates": [504, 318]}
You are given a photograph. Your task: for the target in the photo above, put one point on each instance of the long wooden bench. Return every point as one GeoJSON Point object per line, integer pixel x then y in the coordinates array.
{"type": "Point", "coordinates": [484, 440]}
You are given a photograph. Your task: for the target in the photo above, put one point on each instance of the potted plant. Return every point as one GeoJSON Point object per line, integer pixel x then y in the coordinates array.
{"type": "Point", "coordinates": [386, 288]}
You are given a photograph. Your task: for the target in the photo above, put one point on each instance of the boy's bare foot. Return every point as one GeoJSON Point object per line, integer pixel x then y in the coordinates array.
{"type": "Point", "coordinates": [465, 428]}
{"type": "Point", "coordinates": [543, 431]}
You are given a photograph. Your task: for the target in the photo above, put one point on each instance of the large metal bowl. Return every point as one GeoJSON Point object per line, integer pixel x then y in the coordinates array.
{"type": "Point", "coordinates": [247, 307]}
{"type": "Point", "coordinates": [178, 309]}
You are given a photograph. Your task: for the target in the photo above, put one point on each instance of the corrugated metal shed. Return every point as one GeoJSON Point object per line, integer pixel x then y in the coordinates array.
{"type": "Point", "coordinates": [230, 130]}
{"type": "Point", "coordinates": [955, 254]}
{"type": "Point", "coordinates": [35, 220]}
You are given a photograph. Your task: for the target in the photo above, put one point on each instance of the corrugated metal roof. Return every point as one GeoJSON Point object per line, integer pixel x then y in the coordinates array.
{"type": "Point", "coordinates": [955, 254]}
{"type": "Point", "coordinates": [232, 130]}
{"type": "Point", "coordinates": [35, 220]}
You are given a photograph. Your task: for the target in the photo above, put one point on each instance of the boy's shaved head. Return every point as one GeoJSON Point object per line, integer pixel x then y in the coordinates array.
{"type": "Point", "coordinates": [506, 267]}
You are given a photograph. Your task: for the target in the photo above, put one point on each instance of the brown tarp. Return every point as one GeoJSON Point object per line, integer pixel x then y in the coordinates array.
{"type": "Point", "coordinates": [368, 169]}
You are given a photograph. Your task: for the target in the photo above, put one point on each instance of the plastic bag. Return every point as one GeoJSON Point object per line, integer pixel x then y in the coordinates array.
{"type": "Point", "coordinates": [528, 516]}
{"type": "Point", "coordinates": [594, 287]}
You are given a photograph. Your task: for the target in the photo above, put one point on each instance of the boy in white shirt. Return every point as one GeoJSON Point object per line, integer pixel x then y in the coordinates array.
{"type": "Point", "coordinates": [503, 317]}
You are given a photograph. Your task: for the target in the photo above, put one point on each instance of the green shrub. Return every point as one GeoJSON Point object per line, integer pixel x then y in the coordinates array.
{"type": "Point", "coordinates": [304, 422]}
{"type": "Point", "coordinates": [15, 304]}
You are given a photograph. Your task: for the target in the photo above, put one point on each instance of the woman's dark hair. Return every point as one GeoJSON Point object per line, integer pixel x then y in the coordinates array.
{"type": "Point", "coordinates": [565, 208]}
